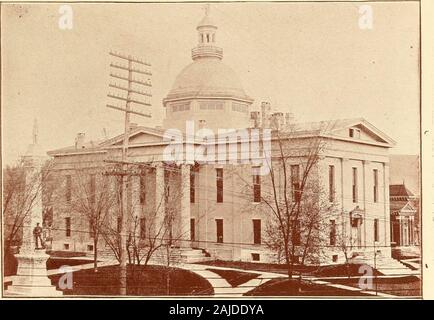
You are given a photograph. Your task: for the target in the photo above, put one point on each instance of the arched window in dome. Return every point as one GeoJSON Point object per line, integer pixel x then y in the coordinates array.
{"type": "Point", "coordinates": [207, 37]}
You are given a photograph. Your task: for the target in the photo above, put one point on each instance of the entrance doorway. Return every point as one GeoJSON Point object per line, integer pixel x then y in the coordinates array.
{"type": "Point", "coordinates": [356, 231]}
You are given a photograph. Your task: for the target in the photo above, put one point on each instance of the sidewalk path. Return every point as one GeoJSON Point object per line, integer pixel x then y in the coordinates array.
{"type": "Point", "coordinates": [223, 289]}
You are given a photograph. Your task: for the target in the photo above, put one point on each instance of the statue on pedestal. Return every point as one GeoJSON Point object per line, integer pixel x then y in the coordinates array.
{"type": "Point", "coordinates": [31, 279]}
{"type": "Point", "coordinates": [37, 233]}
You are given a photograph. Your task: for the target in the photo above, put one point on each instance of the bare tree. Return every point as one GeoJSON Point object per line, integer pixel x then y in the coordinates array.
{"type": "Point", "coordinates": [292, 198]}
{"type": "Point", "coordinates": [92, 198]}
{"type": "Point", "coordinates": [22, 189]}
{"type": "Point", "coordinates": [152, 225]}
{"type": "Point", "coordinates": [344, 245]}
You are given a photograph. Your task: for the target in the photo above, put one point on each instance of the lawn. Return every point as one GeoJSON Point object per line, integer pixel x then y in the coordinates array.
{"type": "Point", "coordinates": [337, 270]}
{"type": "Point", "coordinates": [409, 286]}
{"type": "Point", "coordinates": [141, 281]}
{"type": "Point", "coordinates": [235, 278]}
{"type": "Point", "coordinates": [318, 271]}
{"type": "Point", "coordinates": [254, 266]}
{"type": "Point", "coordinates": [294, 287]}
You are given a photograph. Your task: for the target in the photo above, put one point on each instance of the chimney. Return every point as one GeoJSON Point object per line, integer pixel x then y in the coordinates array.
{"type": "Point", "coordinates": [79, 140]}
{"type": "Point", "coordinates": [289, 120]}
{"type": "Point", "coordinates": [254, 119]}
{"type": "Point", "coordinates": [265, 109]}
{"type": "Point", "coordinates": [202, 124]}
{"type": "Point", "coordinates": [277, 121]}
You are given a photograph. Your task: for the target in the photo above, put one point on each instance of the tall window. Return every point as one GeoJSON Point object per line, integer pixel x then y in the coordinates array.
{"type": "Point", "coordinates": [142, 228]}
{"type": "Point", "coordinates": [332, 232]}
{"type": "Point", "coordinates": [256, 188]}
{"type": "Point", "coordinates": [295, 183]}
{"type": "Point", "coordinates": [256, 231]}
{"type": "Point", "coordinates": [375, 185]}
{"type": "Point", "coordinates": [354, 189]}
{"type": "Point", "coordinates": [68, 188]}
{"type": "Point", "coordinates": [142, 189]}
{"type": "Point", "coordinates": [192, 185]}
{"type": "Point", "coordinates": [68, 226]}
{"type": "Point", "coordinates": [219, 183]}
{"type": "Point", "coordinates": [219, 230]}
{"type": "Point", "coordinates": [376, 230]}
{"type": "Point", "coordinates": [92, 188]}
{"type": "Point", "coordinates": [331, 183]}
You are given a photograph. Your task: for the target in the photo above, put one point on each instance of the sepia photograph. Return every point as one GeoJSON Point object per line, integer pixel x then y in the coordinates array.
{"type": "Point", "coordinates": [211, 150]}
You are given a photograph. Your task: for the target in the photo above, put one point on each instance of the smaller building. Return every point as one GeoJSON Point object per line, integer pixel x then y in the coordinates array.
{"type": "Point", "coordinates": [404, 220]}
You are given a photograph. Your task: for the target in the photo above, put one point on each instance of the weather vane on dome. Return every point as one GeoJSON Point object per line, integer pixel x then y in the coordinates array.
{"type": "Point", "coordinates": [207, 8]}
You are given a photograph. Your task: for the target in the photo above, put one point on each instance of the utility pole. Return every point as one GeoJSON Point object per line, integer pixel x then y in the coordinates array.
{"type": "Point", "coordinates": [133, 88]}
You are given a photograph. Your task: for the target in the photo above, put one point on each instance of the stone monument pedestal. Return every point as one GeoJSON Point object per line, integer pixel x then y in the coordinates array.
{"type": "Point", "coordinates": [32, 279]}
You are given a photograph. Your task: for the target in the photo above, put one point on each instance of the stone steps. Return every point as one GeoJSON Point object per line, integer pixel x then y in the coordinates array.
{"type": "Point", "coordinates": [386, 265]}
{"type": "Point", "coordinates": [193, 255]}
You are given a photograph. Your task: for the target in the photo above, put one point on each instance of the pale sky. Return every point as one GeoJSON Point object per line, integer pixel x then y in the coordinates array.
{"type": "Point", "coordinates": [311, 59]}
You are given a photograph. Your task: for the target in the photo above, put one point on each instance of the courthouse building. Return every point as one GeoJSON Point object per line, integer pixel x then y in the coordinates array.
{"type": "Point", "coordinates": [213, 214]}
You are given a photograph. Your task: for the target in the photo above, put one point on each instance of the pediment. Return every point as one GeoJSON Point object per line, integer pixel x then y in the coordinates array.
{"type": "Point", "coordinates": [361, 130]}
{"type": "Point", "coordinates": [138, 136]}
{"type": "Point", "coordinates": [408, 208]}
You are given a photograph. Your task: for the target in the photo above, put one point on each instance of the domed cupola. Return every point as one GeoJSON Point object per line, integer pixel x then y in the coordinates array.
{"type": "Point", "coordinates": [206, 47]}
{"type": "Point", "coordinates": [207, 90]}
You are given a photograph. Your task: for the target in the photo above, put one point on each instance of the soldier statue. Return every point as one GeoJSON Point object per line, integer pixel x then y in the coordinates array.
{"type": "Point", "coordinates": [37, 233]}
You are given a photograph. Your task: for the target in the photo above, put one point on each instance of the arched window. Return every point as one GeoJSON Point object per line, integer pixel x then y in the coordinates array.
{"type": "Point", "coordinates": [202, 37]}
{"type": "Point", "coordinates": [207, 37]}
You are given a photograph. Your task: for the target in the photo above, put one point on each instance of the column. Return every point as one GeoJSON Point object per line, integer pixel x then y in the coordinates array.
{"type": "Point", "coordinates": [185, 207]}
{"type": "Point", "coordinates": [400, 232]}
{"type": "Point", "coordinates": [386, 205]}
{"type": "Point", "coordinates": [346, 215]}
{"type": "Point", "coordinates": [135, 204]}
{"type": "Point", "coordinates": [411, 230]}
{"type": "Point", "coordinates": [160, 200]}
{"type": "Point", "coordinates": [365, 166]}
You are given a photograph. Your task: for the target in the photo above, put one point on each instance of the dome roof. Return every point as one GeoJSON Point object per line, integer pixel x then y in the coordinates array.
{"type": "Point", "coordinates": [207, 77]}
{"type": "Point", "coordinates": [206, 22]}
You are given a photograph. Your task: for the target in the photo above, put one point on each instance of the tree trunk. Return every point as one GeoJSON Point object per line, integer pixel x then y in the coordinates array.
{"type": "Point", "coordinates": [288, 261]}
{"type": "Point", "coordinates": [168, 282]}
{"type": "Point", "coordinates": [95, 253]}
